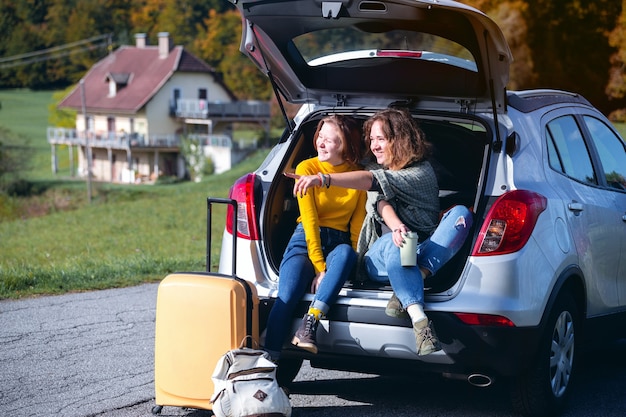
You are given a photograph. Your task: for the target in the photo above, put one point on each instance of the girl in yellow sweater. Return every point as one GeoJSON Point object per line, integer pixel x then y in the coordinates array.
{"type": "Point", "coordinates": [321, 252]}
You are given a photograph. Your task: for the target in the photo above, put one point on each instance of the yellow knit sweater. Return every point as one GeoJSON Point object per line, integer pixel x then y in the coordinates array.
{"type": "Point", "coordinates": [335, 207]}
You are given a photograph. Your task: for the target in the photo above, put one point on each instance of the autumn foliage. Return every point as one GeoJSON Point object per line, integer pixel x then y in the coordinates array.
{"type": "Point", "coordinates": [578, 45]}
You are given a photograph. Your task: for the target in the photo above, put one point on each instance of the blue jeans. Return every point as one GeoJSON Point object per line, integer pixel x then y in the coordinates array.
{"type": "Point", "coordinates": [382, 260]}
{"type": "Point", "coordinates": [295, 277]}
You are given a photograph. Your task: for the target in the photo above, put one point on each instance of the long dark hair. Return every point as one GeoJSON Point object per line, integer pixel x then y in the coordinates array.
{"type": "Point", "coordinates": [406, 140]}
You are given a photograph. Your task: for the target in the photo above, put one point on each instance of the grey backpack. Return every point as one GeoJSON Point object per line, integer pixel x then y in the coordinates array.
{"type": "Point", "coordinates": [245, 385]}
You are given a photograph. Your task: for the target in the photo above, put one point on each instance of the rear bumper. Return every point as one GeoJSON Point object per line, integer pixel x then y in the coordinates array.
{"type": "Point", "coordinates": [364, 339]}
{"type": "Point", "coordinates": [503, 351]}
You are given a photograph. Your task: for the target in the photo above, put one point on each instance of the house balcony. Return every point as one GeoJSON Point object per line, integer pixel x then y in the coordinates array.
{"type": "Point", "coordinates": [72, 137]}
{"type": "Point", "coordinates": [250, 110]}
{"type": "Point", "coordinates": [112, 140]}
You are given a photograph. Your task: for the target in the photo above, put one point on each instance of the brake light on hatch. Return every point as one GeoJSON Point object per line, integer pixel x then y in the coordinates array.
{"type": "Point", "coordinates": [509, 223]}
{"type": "Point", "coordinates": [398, 53]}
{"type": "Point", "coordinates": [242, 191]}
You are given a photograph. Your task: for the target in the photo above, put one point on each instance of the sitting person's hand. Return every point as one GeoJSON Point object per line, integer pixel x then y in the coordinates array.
{"type": "Point", "coordinates": [315, 284]}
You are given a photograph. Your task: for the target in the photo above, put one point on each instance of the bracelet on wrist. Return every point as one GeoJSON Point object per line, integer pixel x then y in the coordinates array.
{"type": "Point", "coordinates": [324, 180]}
{"type": "Point", "coordinates": [321, 178]}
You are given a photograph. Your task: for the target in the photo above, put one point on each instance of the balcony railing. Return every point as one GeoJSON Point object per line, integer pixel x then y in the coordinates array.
{"type": "Point", "coordinates": [203, 109]}
{"type": "Point", "coordinates": [117, 140]}
{"type": "Point", "coordinates": [73, 137]}
{"type": "Point", "coordinates": [224, 141]}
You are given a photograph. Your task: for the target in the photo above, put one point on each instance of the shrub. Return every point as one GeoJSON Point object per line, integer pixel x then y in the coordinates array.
{"type": "Point", "coordinates": [15, 157]}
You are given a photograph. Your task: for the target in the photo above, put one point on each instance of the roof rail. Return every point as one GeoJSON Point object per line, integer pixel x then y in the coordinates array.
{"type": "Point", "coordinates": [530, 100]}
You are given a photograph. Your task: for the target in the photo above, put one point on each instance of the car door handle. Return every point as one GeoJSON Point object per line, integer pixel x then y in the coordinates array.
{"type": "Point", "coordinates": [575, 206]}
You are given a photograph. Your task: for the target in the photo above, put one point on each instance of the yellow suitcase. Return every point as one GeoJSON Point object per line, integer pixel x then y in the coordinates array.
{"type": "Point", "coordinates": [199, 317]}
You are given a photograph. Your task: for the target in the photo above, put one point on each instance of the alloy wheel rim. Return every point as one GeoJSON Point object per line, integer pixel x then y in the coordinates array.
{"type": "Point", "coordinates": [562, 353]}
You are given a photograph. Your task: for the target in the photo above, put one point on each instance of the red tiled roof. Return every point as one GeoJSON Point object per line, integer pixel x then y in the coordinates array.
{"type": "Point", "coordinates": [146, 72]}
{"type": "Point", "coordinates": [190, 63]}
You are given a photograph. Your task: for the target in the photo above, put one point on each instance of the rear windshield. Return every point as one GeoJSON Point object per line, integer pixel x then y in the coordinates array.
{"type": "Point", "coordinates": [338, 45]}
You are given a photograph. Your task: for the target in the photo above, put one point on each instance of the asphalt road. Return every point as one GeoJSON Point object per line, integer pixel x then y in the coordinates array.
{"type": "Point", "coordinates": [91, 354]}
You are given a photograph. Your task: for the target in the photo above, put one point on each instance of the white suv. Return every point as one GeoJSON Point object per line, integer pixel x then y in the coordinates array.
{"type": "Point", "coordinates": [544, 269]}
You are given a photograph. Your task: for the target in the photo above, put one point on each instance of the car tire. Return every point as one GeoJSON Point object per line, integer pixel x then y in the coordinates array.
{"type": "Point", "coordinates": [544, 389]}
{"type": "Point", "coordinates": [288, 369]}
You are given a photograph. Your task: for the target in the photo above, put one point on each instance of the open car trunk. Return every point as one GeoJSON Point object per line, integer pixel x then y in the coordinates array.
{"type": "Point", "coordinates": [459, 153]}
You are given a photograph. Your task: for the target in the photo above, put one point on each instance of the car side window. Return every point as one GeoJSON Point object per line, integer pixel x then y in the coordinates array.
{"type": "Point", "coordinates": [611, 151]}
{"type": "Point", "coordinates": [567, 151]}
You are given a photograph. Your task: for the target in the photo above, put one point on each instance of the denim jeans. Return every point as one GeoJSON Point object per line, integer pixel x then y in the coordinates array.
{"type": "Point", "coordinates": [382, 260]}
{"type": "Point", "coordinates": [295, 277]}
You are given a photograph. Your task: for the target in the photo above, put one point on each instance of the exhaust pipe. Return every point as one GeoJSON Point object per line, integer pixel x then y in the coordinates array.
{"type": "Point", "coordinates": [477, 380]}
{"type": "Point", "coordinates": [480, 380]}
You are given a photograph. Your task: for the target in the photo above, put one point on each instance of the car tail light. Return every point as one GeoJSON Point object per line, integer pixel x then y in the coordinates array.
{"type": "Point", "coordinates": [509, 223]}
{"type": "Point", "coordinates": [475, 319]}
{"type": "Point", "coordinates": [242, 191]}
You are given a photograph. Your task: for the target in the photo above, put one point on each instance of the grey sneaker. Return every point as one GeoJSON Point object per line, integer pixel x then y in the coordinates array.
{"type": "Point", "coordinates": [306, 334]}
{"type": "Point", "coordinates": [425, 337]}
{"type": "Point", "coordinates": [395, 309]}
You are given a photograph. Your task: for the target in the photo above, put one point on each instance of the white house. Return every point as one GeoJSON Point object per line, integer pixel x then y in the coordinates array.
{"type": "Point", "coordinates": [134, 106]}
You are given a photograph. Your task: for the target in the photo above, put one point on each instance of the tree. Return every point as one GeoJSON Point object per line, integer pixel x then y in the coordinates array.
{"type": "Point", "coordinates": [8, 21]}
{"type": "Point", "coordinates": [570, 47]}
{"type": "Point", "coordinates": [76, 20]}
{"type": "Point", "coordinates": [61, 117]}
{"type": "Point", "coordinates": [52, 30]}
{"type": "Point", "coordinates": [219, 46]}
{"type": "Point", "coordinates": [616, 85]}
{"type": "Point", "coordinates": [182, 19]}
{"type": "Point", "coordinates": [509, 15]}
{"type": "Point", "coordinates": [23, 34]}
{"type": "Point", "coordinates": [196, 162]}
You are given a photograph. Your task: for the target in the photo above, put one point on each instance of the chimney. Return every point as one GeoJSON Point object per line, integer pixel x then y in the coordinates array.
{"type": "Point", "coordinates": [140, 40]}
{"type": "Point", "coordinates": [165, 44]}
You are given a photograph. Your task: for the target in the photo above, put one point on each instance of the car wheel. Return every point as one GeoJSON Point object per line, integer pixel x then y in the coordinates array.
{"type": "Point", "coordinates": [543, 390]}
{"type": "Point", "coordinates": [288, 368]}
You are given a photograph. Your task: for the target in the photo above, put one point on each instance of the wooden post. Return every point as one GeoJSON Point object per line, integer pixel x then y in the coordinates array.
{"type": "Point", "coordinates": [72, 169]}
{"type": "Point", "coordinates": [87, 145]}
{"type": "Point", "coordinates": [55, 165]}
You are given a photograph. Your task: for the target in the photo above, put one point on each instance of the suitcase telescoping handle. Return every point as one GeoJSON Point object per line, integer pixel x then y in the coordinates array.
{"type": "Point", "coordinates": [246, 284]}
{"type": "Point", "coordinates": [209, 224]}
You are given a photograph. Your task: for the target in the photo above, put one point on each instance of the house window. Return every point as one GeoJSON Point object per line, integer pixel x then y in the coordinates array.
{"type": "Point", "coordinates": [202, 93]}
{"type": "Point", "coordinates": [111, 127]}
{"type": "Point", "coordinates": [89, 124]}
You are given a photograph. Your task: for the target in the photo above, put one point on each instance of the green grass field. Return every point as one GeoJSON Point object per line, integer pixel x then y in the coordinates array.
{"type": "Point", "coordinates": [127, 235]}
{"type": "Point", "coordinates": [26, 113]}
{"type": "Point", "coordinates": [142, 237]}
